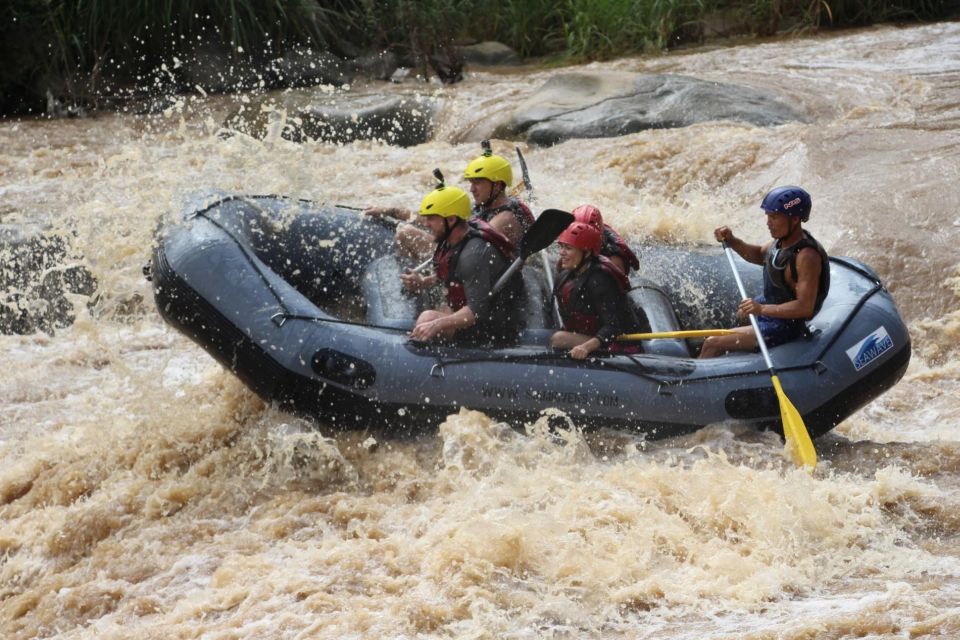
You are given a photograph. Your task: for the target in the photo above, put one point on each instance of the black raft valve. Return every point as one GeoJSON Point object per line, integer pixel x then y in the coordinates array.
{"type": "Point", "coordinates": [342, 368]}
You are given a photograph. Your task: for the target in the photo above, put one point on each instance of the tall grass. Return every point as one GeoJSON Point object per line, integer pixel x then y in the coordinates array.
{"type": "Point", "coordinates": [73, 47]}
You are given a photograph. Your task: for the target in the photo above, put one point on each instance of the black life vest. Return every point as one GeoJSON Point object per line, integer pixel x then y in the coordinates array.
{"type": "Point", "coordinates": [775, 287]}
{"type": "Point", "coordinates": [446, 257]}
{"type": "Point", "coordinates": [576, 317]}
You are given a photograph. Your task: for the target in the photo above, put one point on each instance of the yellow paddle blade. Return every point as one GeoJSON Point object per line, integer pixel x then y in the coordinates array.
{"type": "Point", "coordinates": [694, 333]}
{"type": "Point", "coordinates": [795, 431]}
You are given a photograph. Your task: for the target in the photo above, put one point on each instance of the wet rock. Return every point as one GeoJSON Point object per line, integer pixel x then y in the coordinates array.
{"type": "Point", "coordinates": [490, 53]}
{"type": "Point", "coordinates": [35, 281]}
{"type": "Point", "coordinates": [381, 66]}
{"type": "Point", "coordinates": [340, 117]}
{"type": "Point", "coordinates": [601, 105]}
{"type": "Point", "coordinates": [448, 65]}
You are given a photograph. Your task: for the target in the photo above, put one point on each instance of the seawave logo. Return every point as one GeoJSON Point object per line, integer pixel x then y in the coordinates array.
{"type": "Point", "coordinates": [792, 203]}
{"type": "Point", "coordinates": [870, 348]}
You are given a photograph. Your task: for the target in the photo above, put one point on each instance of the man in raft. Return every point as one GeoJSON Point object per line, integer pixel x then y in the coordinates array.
{"type": "Point", "coordinates": [489, 176]}
{"type": "Point", "coordinates": [796, 276]}
{"type": "Point", "coordinates": [592, 295]}
{"type": "Point", "coordinates": [470, 256]}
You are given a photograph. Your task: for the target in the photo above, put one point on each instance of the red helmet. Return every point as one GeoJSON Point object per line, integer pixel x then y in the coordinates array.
{"type": "Point", "coordinates": [589, 214]}
{"type": "Point", "coordinates": [583, 236]}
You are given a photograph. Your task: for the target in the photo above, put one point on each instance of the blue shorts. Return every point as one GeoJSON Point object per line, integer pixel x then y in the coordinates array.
{"type": "Point", "coordinates": [777, 331]}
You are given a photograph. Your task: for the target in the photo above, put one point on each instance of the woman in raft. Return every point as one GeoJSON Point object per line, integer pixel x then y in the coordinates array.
{"type": "Point", "coordinates": [591, 292]}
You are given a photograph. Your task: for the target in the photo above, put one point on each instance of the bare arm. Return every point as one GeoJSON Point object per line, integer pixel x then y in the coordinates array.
{"type": "Point", "coordinates": [506, 223]}
{"type": "Point", "coordinates": [448, 324]}
{"type": "Point", "coordinates": [414, 281]}
{"type": "Point", "coordinates": [392, 212]}
{"type": "Point", "coordinates": [750, 252]}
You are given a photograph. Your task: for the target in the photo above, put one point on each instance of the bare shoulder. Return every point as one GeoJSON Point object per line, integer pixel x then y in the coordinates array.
{"type": "Point", "coordinates": [808, 259]}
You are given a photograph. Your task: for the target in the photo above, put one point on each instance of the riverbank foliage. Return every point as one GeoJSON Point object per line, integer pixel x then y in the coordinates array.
{"type": "Point", "coordinates": [76, 52]}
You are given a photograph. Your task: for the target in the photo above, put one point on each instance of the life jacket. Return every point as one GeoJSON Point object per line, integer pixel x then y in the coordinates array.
{"type": "Point", "coordinates": [519, 210]}
{"type": "Point", "coordinates": [445, 259]}
{"type": "Point", "coordinates": [575, 316]}
{"type": "Point", "coordinates": [614, 245]}
{"type": "Point", "coordinates": [775, 287]}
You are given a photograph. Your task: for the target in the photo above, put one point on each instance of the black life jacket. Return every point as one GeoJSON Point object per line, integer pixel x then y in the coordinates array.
{"type": "Point", "coordinates": [573, 304]}
{"type": "Point", "coordinates": [446, 257]}
{"type": "Point", "coordinates": [775, 287]}
{"type": "Point", "coordinates": [614, 245]}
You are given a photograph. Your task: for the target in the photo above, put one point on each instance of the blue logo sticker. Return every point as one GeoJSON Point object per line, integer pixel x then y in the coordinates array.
{"type": "Point", "coordinates": [870, 348]}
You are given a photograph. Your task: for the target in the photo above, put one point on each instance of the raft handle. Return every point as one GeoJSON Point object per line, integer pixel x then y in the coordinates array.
{"type": "Point", "coordinates": [281, 315]}
{"type": "Point", "coordinates": [436, 371]}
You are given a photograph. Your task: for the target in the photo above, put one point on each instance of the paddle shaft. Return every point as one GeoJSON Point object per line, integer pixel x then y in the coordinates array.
{"type": "Point", "coordinates": [794, 429]}
{"type": "Point", "coordinates": [547, 269]}
{"type": "Point", "coordinates": [753, 319]}
{"type": "Point", "coordinates": [691, 333]}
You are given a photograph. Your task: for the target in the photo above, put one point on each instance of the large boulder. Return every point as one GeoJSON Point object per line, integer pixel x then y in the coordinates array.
{"type": "Point", "coordinates": [602, 105]}
{"type": "Point", "coordinates": [36, 280]}
{"type": "Point", "coordinates": [402, 120]}
{"type": "Point", "coordinates": [490, 53]}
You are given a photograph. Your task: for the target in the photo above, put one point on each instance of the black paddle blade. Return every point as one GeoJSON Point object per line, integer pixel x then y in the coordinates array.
{"type": "Point", "coordinates": [544, 231]}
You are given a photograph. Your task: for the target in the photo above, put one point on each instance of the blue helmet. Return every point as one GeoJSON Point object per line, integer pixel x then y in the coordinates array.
{"type": "Point", "coordinates": [790, 200]}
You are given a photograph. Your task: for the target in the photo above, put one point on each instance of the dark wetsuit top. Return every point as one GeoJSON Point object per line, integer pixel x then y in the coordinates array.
{"type": "Point", "coordinates": [475, 265]}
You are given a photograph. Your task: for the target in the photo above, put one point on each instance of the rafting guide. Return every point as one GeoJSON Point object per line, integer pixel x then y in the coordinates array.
{"type": "Point", "coordinates": [796, 276]}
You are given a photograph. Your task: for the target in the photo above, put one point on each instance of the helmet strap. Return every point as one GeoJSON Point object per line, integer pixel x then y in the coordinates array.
{"type": "Point", "coordinates": [584, 260]}
{"type": "Point", "coordinates": [449, 228]}
{"type": "Point", "coordinates": [495, 191]}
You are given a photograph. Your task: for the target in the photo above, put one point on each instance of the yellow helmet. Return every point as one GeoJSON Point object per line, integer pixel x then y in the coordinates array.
{"type": "Point", "coordinates": [489, 166]}
{"type": "Point", "coordinates": [446, 202]}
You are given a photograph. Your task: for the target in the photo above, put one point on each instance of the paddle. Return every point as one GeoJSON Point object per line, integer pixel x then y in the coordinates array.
{"type": "Point", "coordinates": [691, 333]}
{"type": "Point", "coordinates": [547, 269]}
{"type": "Point", "coordinates": [793, 428]}
{"type": "Point", "coordinates": [539, 236]}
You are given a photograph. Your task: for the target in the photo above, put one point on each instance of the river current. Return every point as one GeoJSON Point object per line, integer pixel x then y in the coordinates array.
{"type": "Point", "coordinates": [146, 493]}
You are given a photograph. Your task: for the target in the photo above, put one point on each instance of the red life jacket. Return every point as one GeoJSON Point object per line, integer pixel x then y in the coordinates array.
{"type": "Point", "coordinates": [445, 258]}
{"type": "Point", "coordinates": [576, 319]}
{"type": "Point", "coordinates": [614, 245]}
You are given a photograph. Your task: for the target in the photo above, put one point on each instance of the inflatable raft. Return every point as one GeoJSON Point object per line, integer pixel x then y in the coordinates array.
{"type": "Point", "coordinates": [303, 303]}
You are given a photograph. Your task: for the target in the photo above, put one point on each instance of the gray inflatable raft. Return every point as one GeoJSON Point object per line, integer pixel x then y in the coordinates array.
{"type": "Point", "coordinates": [302, 302]}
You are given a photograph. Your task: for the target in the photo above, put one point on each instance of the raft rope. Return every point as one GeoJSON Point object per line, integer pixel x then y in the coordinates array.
{"type": "Point", "coordinates": [247, 253]}
{"type": "Point", "coordinates": [279, 318]}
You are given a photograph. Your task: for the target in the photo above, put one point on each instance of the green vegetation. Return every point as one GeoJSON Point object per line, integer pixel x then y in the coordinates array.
{"type": "Point", "coordinates": [81, 51]}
